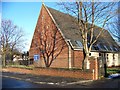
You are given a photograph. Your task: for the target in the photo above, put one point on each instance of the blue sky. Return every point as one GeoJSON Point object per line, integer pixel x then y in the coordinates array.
{"type": "Point", "coordinates": [24, 15]}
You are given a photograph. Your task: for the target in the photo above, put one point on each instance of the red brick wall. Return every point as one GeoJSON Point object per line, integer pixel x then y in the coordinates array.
{"type": "Point", "coordinates": [77, 57]}
{"type": "Point", "coordinates": [53, 72]}
{"type": "Point", "coordinates": [62, 60]}
{"type": "Point", "coordinates": [65, 73]}
{"type": "Point", "coordinates": [94, 67]}
{"type": "Point", "coordinates": [45, 21]}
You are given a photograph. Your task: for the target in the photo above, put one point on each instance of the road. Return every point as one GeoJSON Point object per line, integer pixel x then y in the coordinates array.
{"type": "Point", "coordinates": [8, 82]}
{"type": "Point", "coordinates": [13, 83]}
{"type": "Point", "coordinates": [107, 83]}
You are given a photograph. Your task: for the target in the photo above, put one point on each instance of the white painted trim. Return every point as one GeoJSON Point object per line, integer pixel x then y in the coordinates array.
{"type": "Point", "coordinates": [93, 74]}
{"type": "Point", "coordinates": [76, 49]}
{"type": "Point", "coordinates": [71, 44]}
{"type": "Point", "coordinates": [69, 57]}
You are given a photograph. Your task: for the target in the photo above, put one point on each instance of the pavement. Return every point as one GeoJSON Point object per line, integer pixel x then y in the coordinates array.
{"type": "Point", "coordinates": [61, 82]}
{"type": "Point", "coordinates": [11, 84]}
{"type": "Point", "coordinates": [50, 80]}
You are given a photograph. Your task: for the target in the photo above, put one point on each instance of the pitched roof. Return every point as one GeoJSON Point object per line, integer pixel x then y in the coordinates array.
{"type": "Point", "coordinates": [70, 30]}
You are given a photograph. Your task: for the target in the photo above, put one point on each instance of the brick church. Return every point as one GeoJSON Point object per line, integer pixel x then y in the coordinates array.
{"type": "Point", "coordinates": [57, 34]}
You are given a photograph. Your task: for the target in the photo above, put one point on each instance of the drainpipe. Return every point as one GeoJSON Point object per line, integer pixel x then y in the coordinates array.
{"type": "Point", "coordinates": [69, 55]}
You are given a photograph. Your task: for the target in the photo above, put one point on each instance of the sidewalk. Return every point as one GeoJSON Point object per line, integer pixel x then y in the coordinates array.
{"type": "Point", "coordinates": [62, 81]}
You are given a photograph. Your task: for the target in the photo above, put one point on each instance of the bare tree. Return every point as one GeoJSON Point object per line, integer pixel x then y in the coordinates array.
{"type": "Point", "coordinates": [114, 29]}
{"type": "Point", "coordinates": [11, 38]}
{"type": "Point", "coordinates": [49, 42]}
{"type": "Point", "coordinates": [113, 26]}
{"type": "Point", "coordinates": [90, 14]}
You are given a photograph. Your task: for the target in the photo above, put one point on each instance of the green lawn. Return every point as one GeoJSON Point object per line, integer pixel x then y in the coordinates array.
{"type": "Point", "coordinates": [21, 66]}
{"type": "Point", "coordinates": [113, 70]}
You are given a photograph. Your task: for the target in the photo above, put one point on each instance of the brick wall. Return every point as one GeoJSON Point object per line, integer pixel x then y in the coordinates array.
{"type": "Point", "coordinates": [94, 67]}
{"type": "Point", "coordinates": [45, 22]}
{"type": "Point", "coordinates": [77, 58]}
{"type": "Point", "coordinates": [53, 72]}
{"type": "Point", "coordinates": [92, 73]}
{"type": "Point", "coordinates": [66, 73]}
{"type": "Point", "coordinates": [62, 60]}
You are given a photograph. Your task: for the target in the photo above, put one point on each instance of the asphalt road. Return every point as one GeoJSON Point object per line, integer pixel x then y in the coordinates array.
{"type": "Point", "coordinates": [8, 82]}
{"type": "Point", "coordinates": [107, 83]}
{"type": "Point", "coordinates": [13, 83]}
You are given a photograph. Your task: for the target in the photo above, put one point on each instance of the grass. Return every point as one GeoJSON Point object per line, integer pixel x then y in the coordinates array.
{"type": "Point", "coordinates": [21, 66]}
{"type": "Point", "coordinates": [32, 67]}
{"type": "Point", "coordinates": [66, 69]}
{"type": "Point", "coordinates": [113, 70]}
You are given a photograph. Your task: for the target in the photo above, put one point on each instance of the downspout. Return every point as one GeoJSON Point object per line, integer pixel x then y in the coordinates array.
{"type": "Point", "coordinates": [69, 56]}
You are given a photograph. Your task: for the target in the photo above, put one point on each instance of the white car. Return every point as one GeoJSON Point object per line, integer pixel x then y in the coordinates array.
{"type": "Point", "coordinates": [112, 76]}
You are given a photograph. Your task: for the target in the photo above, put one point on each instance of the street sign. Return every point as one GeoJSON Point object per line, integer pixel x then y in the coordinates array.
{"type": "Point", "coordinates": [36, 57]}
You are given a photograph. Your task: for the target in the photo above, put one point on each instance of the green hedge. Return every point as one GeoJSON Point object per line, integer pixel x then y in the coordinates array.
{"type": "Point", "coordinates": [113, 70]}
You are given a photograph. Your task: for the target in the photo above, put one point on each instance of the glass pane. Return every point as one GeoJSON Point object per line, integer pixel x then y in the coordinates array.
{"type": "Point", "coordinates": [79, 44]}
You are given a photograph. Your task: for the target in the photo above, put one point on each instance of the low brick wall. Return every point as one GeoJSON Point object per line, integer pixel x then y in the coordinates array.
{"type": "Point", "coordinates": [54, 72]}
{"type": "Point", "coordinates": [65, 73]}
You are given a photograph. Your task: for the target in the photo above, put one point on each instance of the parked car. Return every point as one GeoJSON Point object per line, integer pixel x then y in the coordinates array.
{"type": "Point", "coordinates": [114, 76]}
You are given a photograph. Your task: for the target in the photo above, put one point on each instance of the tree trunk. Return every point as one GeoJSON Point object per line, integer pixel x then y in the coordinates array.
{"type": "Point", "coordinates": [47, 65]}
{"type": "Point", "coordinates": [85, 60]}
{"type": "Point", "coordinates": [11, 56]}
{"type": "Point", "coordinates": [4, 60]}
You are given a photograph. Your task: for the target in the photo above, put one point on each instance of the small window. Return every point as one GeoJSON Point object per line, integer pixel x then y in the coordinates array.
{"type": "Point", "coordinates": [111, 48]}
{"type": "Point", "coordinates": [96, 48]}
{"type": "Point", "coordinates": [79, 44]}
{"type": "Point", "coordinates": [99, 54]}
{"type": "Point", "coordinates": [116, 49]}
{"type": "Point", "coordinates": [105, 47]}
{"type": "Point", "coordinates": [113, 56]}
{"type": "Point", "coordinates": [99, 46]}
{"type": "Point", "coordinates": [89, 54]}
{"type": "Point", "coordinates": [107, 57]}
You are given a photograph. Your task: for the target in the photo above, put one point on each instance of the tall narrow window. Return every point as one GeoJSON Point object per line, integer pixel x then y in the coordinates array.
{"type": "Point", "coordinates": [89, 54]}
{"type": "Point", "coordinates": [113, 56]}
